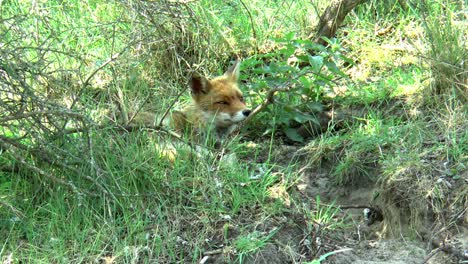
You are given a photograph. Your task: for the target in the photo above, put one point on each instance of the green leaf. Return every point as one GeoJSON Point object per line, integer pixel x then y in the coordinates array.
{"type": "Point", "coordinates": [305, 81]}
{"type": "Point", "coordinates": [287, 51]}
{"type": "Point", "coordinates": [302, 117]}
{"type": "Point", "coordinates": [292, 134]}
{"type": "Point", "coordinates": [316, 62]}
{"type": "Point", "coordinates": [315, 107]}
{"type": "Point", "coordinates": [302, 58]}
{"type": "Point", "coordinates": [290, 36]}
{"type": "Point", "coordinates": [333, 68]}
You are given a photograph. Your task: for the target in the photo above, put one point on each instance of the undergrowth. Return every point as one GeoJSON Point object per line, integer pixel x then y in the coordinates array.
{"type": "Point", "coordinates": [80, 183]}
{"type": "Point", "coordinates": [408, 136]}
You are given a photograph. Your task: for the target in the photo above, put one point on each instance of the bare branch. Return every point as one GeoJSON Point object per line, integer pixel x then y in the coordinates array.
{"type": "Point", "coordinates": [33, 168]}
{"type": "Point", "coordinates": [171, 105]}
{"type": "Point", "coordinates": [252, 24]}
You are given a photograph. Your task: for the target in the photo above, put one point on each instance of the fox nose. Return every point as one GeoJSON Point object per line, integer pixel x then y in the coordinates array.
{"type": "Point", "coordinates": [246, 112]}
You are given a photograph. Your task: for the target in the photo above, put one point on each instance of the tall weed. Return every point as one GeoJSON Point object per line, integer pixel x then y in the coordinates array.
{"type": "Point", "coordinates": [446, 30]}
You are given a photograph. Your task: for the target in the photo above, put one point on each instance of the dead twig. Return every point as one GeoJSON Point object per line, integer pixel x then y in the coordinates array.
{"type": "Point", "coordinates": [44, 112]}
{"type": "Point", "coordinates": [88, 80]}
{"type": "Point", "coordinates": [213, 252]}
{"type": "Point", "coordinates": [252, 24]}
{"type": "Point", "coordinates": [131, 128]}
{"type": "Point", "coordinates": [356, 207]}
{"type": "Point", "coordinates": [266, 102]}
{"type": "Point", "coordinates": [176, 99]}
{"type": "Point", "coordinates": [17, 212]}
{"type": "Point", "coordinates": [33, 168]}
{"type": "Point", "coordinates": [449, 249]}
{"type": "Point", "coordinates": [431, 255]}
{"type": "Point", "coordinates": [269, 98]}
{"type": "Point", "coordinates": [52, 159]}
{"type": "Point", "coordinates": [124, 112]}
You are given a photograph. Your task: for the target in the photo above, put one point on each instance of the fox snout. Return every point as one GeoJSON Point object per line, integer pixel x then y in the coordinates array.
{"type": "Point", "coordinates": [226, 119]}
{"type": "Point", "coordinates": [243, 114]}
{"type": "Point", "coordinates": [219, 101]}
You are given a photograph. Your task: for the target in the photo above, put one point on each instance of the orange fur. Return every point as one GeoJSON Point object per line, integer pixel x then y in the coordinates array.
{"type": "Point", "coordinates": [216, 104]}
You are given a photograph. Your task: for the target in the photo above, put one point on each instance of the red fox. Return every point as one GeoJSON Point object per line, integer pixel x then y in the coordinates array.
{"type": "Point", "coordinates": [217, 105]}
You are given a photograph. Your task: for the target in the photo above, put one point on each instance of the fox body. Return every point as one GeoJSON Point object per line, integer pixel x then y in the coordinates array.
{"type": "Point", "coordinates": [217, 105]}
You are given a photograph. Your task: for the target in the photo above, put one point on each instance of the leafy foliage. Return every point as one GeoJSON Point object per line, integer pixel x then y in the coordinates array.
{"type": "Point", "coordinates": [301, 72]}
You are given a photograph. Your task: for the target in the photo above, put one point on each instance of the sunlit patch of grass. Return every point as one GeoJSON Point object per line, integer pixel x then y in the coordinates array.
{"type": "Point", "coordinates": [256, 22]}
{"type": "Point", "coordinates": [446, 31]}
{"type": "Point", "coordinates": [377, 57]}
{"type": "Point", "coordinates": [405, 81]}
{"type": "Point", "coordinates": [356, 154]}
{"type": "Point", "coordinates": [402, 82]}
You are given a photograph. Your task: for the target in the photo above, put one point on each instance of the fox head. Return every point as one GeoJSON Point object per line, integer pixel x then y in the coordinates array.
{"type": "Point", "coordinates": [220, 99]}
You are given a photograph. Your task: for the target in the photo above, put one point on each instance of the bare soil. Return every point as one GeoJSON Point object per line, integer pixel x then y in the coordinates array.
{"type": "Point", "coordinates": [369, 244]}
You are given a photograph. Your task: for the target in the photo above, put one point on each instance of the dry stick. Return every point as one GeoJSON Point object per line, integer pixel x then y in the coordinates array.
{"type": "Point", "coordinates": [92, 162]}
{"type": "Point", "coordinates": [123, 112]}
{"type": "Point", "coordinates": [269, 97]}
{"type": "Point", "coordinates": [17, 212]}
{"type": "Point", "coordinates": [127, 128]}
{"type": "Point", "coordinates": [45, 157]}
{"type": "Point", "coordinates": [130, 128]}
{"type": "Point", "coordinates": [449, 249]}
{"type": "Point", "coordinates": [97, 169]}
{"type": "Point", "coordinates": [440, 243]}
{"type": "Point", "coordinates": [171, 105]}
{"type": "Point", "coordinates": [268, 100]}
{"type": "Point", "coordinates": [75, 100]}
{"type": "Point", "coordinates": [254, 33]}
{"type": "Point", "coordinates": [213, 252]}
{"type": "Point", "coordinates": [44, 112]}
{"type": "Point", "coordinates": [431, 255]}
{"type": "Point", "coordinates": [356, 207]}
{"type": "Point", "coordinates": [70, 185]}
{"type": "Point", "coordinates": [86, 82]}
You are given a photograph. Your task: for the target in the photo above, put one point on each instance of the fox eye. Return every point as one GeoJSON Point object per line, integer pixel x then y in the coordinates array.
{"type": "Point", "coordinates": [241, 98]}
{"type": "Point", "coordinates": [223, 102]}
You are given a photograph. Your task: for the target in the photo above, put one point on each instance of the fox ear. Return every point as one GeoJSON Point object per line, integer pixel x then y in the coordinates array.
{"type": "Point", "coordinates": [199, 84]}
{"type": "Point", "coordinates": [233, 72]}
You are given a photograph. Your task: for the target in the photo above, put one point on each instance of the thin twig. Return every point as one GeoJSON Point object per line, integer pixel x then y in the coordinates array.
{"type": "Point", "coordinates": [130, 128]}
{"type": "Point", "coordinates": [431, 255]}
{"type": "Point", "coordinates": [124, 112]}
{"type": "Point", "coordinates": [213, 252]}
{"type": "Point", "coordinates": [254, 32]}
{"type": "Point", "coordinates": [56, 161]}
{"type": "Point", "coordinates": [97, 169]}
{"type": "Point", "coordinates": [12, 208]}
{"type": "Point", "coordinates": [269, 98]}
{"type": "Point", "coordinates": [356, 207]}
{"type": "Point", "coordinates": [33, 168]}
{"type": "Point", "coordinates": [111, 59]}
{"type": "Point", "coordinates": [88, 80]}
{"type": "Point", "coordinates": [45, 112]}
{"type": "Point", "coordinates": [171, 105]}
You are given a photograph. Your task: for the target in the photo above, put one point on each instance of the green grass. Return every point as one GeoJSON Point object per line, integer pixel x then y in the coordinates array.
{"type": "Point", "coordinates": [155, 200]}
{"type": "Point", "coordinates": [110, 193]}
{"type": "Point", "coordinates": [324, 217]}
